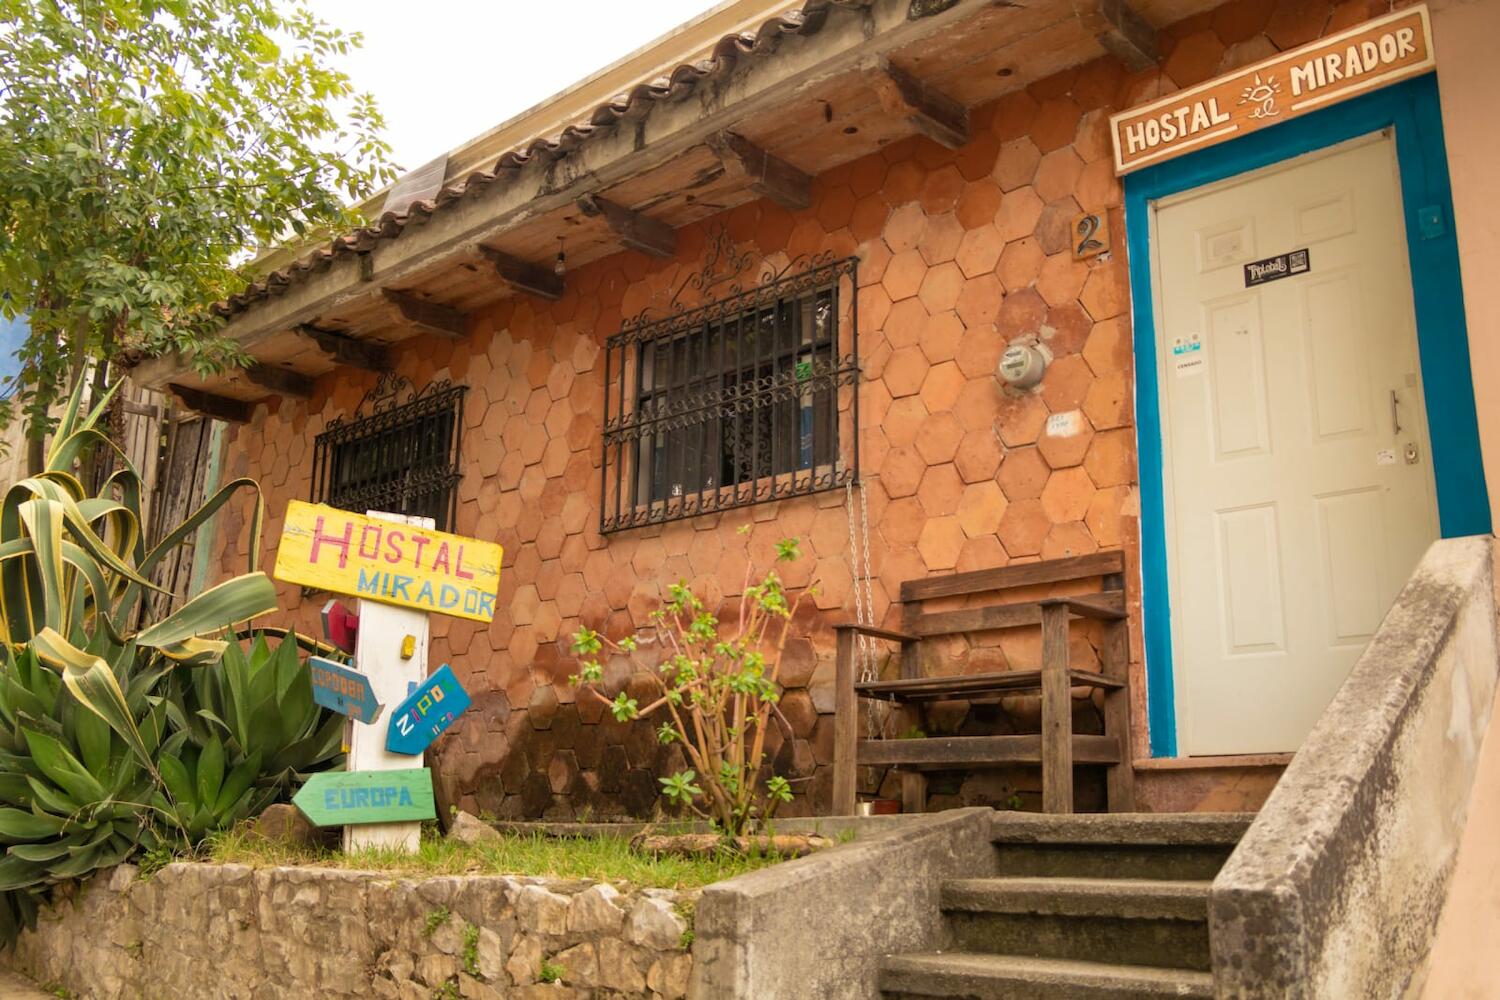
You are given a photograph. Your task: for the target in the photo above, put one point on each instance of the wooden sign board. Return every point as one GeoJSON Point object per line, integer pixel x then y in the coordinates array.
{"type": "Point", "coordinates": [423, 716]}
{"type": "Point", "coordinates": [1374, 54]}
{"type": "Point", "coordinates": [342, 798]}
{"type": "Point", "coordinates": [342, 690]}
{"type": "Point", "coordinates": [392, 563]}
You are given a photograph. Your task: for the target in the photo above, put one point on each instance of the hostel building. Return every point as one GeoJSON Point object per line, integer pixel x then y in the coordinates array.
{"type": "Point", "coordinates": [761, 278]}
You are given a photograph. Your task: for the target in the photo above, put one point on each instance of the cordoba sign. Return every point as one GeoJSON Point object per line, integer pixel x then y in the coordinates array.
{"type": "Point", "coordinates": [1370, 55]}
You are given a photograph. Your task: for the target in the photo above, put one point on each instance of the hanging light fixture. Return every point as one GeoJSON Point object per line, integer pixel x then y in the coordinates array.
{"type": "Point", "coordinates": [560, 266]}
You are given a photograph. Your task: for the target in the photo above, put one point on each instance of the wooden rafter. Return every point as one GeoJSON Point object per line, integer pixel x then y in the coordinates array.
{"type": "Point", "coordinates": [345, 350]}
{"type": "Point", "coordinates": [1121, 31]}
{"type": "Point", "coordinates": [769, 175]}
{"type": "Point", "coordinates": [636, 231]}
{"type": "Point", "coordinates": [524, 276]}
{"type": "Point", "coordinates": [236, 411]}
{"type": "Point", "coordinates": [934, 114]}
{"type": "Point", "coordinates": [846, 42]}
{"type": "Point", "coordinates": [432, 317]}
{"type": "Point", "coordinates": [280, 380]}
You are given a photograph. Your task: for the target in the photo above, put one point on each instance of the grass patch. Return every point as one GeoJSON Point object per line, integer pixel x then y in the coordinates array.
{"type": "Point", "coordinates": [435, 919]}
{"type": "Point", "coordinates": [605, 858]}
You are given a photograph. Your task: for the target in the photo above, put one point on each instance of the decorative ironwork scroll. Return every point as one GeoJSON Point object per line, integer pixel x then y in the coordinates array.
{"type": "Point", "coordinates": [398, 452]}
{"type": "Point", "coordinates": [748, 398]}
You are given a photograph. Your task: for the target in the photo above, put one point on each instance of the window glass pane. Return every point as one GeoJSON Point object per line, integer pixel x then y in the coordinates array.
{"type": "Point", "coordinates": [402, 458]}
{"type": "Point", "coordinates": [736, 401]}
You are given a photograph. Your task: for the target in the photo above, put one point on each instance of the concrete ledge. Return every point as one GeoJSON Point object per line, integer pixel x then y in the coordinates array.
{"type": "Point", "coordinates": [1121, 828]}
{"type": "Point", "coordinates": [1009, 977]}
{"type": "Point", "coordinates": [1336, 888]}
{"type": "Point", "coordinates": [817, 926]}
{"type": "Point", "coordinates": [1133, 899]}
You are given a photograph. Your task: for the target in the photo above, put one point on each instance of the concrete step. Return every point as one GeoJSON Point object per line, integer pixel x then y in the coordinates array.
{"type": "Point", "coordinates": [1007, 977]}
{"type": "Point", "coordinates": [1161, 829]}
{"type": "Point", "coordinates": [1135, 861]}
{"type": "Point", "coordinates": [1136, 846]}
{"type": "Point", "coordinates": [1145, 922]}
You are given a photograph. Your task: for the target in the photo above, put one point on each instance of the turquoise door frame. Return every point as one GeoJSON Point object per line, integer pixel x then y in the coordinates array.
{"type": "Point", "coordinates": [1411, 109]}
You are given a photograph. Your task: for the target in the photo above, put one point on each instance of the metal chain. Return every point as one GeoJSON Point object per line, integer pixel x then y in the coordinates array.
{"type": "Point", "coordinates": [864, 545]}
{"type": "Point", "coordinates": [864, 593]}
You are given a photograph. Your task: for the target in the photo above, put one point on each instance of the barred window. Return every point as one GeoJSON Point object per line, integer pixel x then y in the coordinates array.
{"type": "Point", "coordinates": [740, 401]}
{"type": "Point", "coordinates": [395, 454]}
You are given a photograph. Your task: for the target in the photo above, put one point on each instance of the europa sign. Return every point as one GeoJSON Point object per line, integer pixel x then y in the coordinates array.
{"type": "Point", "coordinates": [340, 798]}
{"type": "Point", "coordinates": [388, 561]}
{"type": "Point", "coordinates": [1370, 55]}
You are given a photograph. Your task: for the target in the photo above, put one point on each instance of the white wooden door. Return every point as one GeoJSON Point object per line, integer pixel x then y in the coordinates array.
{"type": "Point", "coordinates": [1299, 492]}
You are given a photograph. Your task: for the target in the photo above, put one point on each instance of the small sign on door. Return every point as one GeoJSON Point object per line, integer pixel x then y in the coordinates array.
{"type": "Point", "coordinates": [1187, 354]}
{"type": "Point", "coordinates": [1283, 265]}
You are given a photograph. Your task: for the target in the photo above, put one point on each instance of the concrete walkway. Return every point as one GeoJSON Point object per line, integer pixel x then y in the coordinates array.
{"type": "Point", "coordinates": [15, 987]}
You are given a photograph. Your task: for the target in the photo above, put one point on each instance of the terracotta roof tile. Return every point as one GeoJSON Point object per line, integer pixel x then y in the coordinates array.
{"type": "Point", "coordinates": [629, 106]}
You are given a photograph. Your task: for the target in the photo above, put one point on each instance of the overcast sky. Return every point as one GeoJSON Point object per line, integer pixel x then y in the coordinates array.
{"type": "Point", "coordinates": [444, 71]}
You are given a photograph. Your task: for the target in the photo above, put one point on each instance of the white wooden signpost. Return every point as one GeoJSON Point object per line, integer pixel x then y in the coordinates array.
{"type": "Point", "coordinates": [411, 570]}
{"type": "Point", "coordinates": [377, 654]}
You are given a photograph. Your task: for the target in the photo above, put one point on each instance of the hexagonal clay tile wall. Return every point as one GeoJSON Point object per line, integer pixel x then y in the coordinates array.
{"type": "Point", "coordinates": [961, 253]}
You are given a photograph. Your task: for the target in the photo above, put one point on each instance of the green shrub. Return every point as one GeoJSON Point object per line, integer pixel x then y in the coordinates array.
{"type": "Point", "coordinates": [104, 752]}
{"type": "Point", "coordinates": [720, 691]}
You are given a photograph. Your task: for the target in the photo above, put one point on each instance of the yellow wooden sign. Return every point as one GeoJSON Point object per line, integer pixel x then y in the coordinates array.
{"type": "Point", "coordinates": [387, 561]}
{"type": "Point", "coordinates": [1369, 55]}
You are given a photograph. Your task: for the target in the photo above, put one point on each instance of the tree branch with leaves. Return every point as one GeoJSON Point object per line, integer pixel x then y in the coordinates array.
{"type": "Point", "coordinates": [147, 151]}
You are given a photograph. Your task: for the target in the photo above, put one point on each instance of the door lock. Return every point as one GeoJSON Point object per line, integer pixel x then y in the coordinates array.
{"type": "Point", "coordinates": [1411, 453]}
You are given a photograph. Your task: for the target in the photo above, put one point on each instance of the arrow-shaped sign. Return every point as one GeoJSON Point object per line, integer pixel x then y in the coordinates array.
{"type": "Point", "coordinates": [342, 690]}
{"type": "Point", "coordinates": [339, 798]}
{"type": "Point", "coordinates": [426, 712]}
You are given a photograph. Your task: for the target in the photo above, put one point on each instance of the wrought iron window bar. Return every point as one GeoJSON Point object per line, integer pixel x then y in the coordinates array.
{"type": "Point", "coordinates": [395, 454]}
{"type": "Point", "coordinates": [744, 400]}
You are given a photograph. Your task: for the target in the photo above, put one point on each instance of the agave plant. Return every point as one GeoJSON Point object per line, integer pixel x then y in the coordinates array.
{"type": "Point", "coordinates": [258, 704]}
{"type": "Point", "coordinates": [73, 794]}
{"type": "Point", "coordinates": [84, 720]}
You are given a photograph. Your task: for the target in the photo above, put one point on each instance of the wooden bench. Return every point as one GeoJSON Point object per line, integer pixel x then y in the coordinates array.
{"type": "Point", "coordinates": [1056, 749]}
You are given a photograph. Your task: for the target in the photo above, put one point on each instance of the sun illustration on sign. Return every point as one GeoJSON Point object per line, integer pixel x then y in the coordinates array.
{"type": "Point", "coordinates": [1262, 93]}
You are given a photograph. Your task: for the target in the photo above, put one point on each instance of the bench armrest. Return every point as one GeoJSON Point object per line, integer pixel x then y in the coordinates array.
{"type": "Point", "coordinates": [876, 631]}
{"type": "Point", "coordinates": [1108, 606]}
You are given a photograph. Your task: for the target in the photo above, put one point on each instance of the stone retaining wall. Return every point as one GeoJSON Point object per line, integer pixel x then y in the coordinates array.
{"type": "Point", "coordinates": [229, 931]}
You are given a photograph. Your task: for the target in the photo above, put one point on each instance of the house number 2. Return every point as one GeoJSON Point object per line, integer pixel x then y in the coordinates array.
{"type": "Point", "coordinates": [1090, 235]}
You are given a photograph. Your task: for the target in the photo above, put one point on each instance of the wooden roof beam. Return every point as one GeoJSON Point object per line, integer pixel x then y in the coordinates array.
{"type": "Point", "coordinates": [934, 114]}
{"type": "Point", "coordinates": [1121, 31]}
{"type": "Point", "coordinates": [636, 231]}
{"type": "Point", "coordinates": [524, 276]}
{"type": "Point", "coordinates": [236, 411]}
{"type": "Point", "coordinates": [344, 350]}
{"type": "Point", "coordinates": [430, 317]}
{"type": "Point", "coordinates": [280, 380]}
{"type": "Point", "coordinates": [769, 175]}
{"type": "Point", "coordinates": [847, 41]}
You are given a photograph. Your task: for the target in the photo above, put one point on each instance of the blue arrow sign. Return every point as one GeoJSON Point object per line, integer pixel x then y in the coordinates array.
{"type": "Point", "coordinates": [342, 690]}
{"type": "Point", "coordinates": [426, 712]}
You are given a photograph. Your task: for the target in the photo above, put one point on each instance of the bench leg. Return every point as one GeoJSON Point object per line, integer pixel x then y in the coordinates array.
{"type": "Point", "coordinates": [845, 727]}
{"type": "Point", "coordinates": [913, 792]}
{"type": "Point", "coordinates": [1057, 713]}
{"type": "Point", "coordinates": [1119, 779]}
